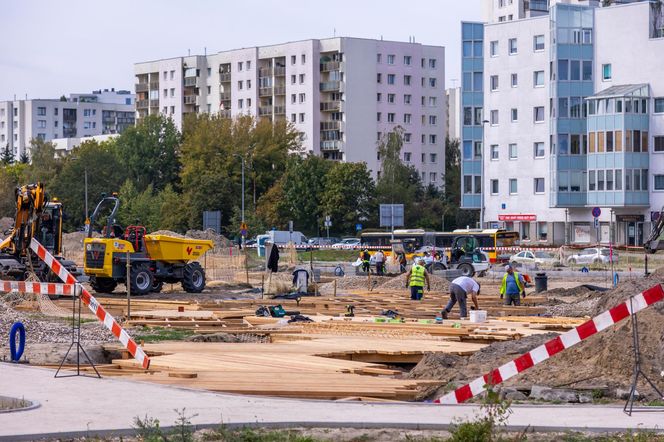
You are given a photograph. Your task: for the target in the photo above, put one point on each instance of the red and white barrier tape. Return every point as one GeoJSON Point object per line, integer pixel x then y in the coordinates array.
{"type": "Point", "coordinates": [43, 288]}
{"type": "Point", "coordinates": [94, 306]}
{"type": "Point", "coordinates": [555, 346]}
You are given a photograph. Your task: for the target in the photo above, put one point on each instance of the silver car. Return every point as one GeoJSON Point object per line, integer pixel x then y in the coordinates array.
{"type": "Point", "coordinates": [593, 255]}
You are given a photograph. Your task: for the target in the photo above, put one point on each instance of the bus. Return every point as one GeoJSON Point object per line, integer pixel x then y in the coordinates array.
{"type": "Point", "coordinates": [415, 239]}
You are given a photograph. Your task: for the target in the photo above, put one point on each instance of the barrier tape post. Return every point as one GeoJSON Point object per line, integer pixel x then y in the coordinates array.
{"type": "Point", "coordinates": [37, 288]}
{"type": "Point", "coordinates": [556, 345]}
{"type": "Point", "coordinates": [94, 306]}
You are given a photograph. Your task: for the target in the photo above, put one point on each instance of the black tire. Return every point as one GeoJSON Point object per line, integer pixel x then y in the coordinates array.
{"type": "Point", "coordinates": [193, 278]}
{"type": "Point", "coordinates": [436, 266]}
{"type": "Point", "coordinates": [157, 286]}
{"type": "Point", "coordinates": [104, 285]}
{"type": "Point", "coordinates": [467, 270]}
{"type": "Point", "coordinates": [141, 279]}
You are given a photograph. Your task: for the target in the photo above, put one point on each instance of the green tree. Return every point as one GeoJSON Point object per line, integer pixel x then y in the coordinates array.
{"type": "Point", "coordinates": [105, 175]}
{"type": "Point", "coordinates": [348, 196]}
{"type": "Point", "coordinates": [149, 152]}
{"type": "Point", "coordinates": [7, 156]}
{"type": "Point", "coordinates": [24, 158]}
{"type": "Point", "coordinates": [44, 165]}
{"type": "Point", "coordinates": [140, 208]}
{"type": "Point", "coordinates": [173, 213]}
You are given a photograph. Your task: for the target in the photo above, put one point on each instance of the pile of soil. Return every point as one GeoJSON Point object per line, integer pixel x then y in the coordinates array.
{"type": "Point", "coordinates": [219, 240]}
{"type": "Point", "coordinates": [438, 283]}
{"type": "Point", "coordinates": [603, 359]}
{"type": "Point", "coordinates": [563, 292]}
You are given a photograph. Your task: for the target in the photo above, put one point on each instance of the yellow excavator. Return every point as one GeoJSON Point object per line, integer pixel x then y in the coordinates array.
{"type": "Point", "coordinates": [36, 217]}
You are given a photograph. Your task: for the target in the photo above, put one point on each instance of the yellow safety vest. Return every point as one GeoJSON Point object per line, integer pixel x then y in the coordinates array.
{"type": "Point", "coordinates": [503, 286]}
{"type": "Point", "coordinates": [417, 276]}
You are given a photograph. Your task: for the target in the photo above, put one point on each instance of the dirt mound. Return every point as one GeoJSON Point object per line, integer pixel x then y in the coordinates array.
{"type": "Point", "coordinates": [167, 233]}
{"type": "Point", "coordinates": [438, 284]}
{"type": "Point", "coordinates": [219, 240]}
{"type": "Point", "coordinates": [575, 291]}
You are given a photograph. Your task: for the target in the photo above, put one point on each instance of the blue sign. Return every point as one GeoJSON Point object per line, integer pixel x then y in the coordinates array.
{"type": "Point", "coordinates": [358, 227]}
{"type": "Point", "coordinates": [503, 206]}
{"type": "Point", "coordinates": [597, 212]}
{"type": "Point", "coordinates": [243, 232]}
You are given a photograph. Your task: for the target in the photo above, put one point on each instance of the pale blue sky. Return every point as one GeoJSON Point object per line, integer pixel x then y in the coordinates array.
{"type": "Point", "coordinates": [54, 47]}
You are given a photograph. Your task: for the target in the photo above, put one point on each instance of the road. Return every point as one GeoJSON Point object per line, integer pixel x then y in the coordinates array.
{"type": "Point", "coordinates": [79, 406]}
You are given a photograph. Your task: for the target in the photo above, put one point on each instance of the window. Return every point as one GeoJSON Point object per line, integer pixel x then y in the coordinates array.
{"type": "Point", "coordinates": [538, 149]}
{"type": "Point", "coordinates": [390, 78]}
{"type": "Point", "coordinates": [378, 116]}
{"type": "Point", "coordinates": [587, 71]}
{"type": "Point", "coordinates": [248, 84]}
{"type": "Point", "coordinates": [407, 60]}
{"type": "Point", "coordinates": [432, 101]}
{"type": "Point", "coordinates": [407, 137]}
{"type": "Point", "coordinates": [538, 185]}
{"type": "Point", "coordinates": [55, 111]}
{"type": "Point", "coordinates": [303, 59]}
{"type": "Point", "coordinates": [172, 74]}
{"type": "Point", "coordinates": [478, 184]}
{"type": "Point", "coordinates": [513, 186]}
{"type": "Point", "coordinates": [575, 107]}
{"type": "Point", "coordinates": [538, 114]}
{"type": "Point", "coordinates": [406, 99]}
{"type": "Point", "coordinates": [390, 98]}
{"type": "Point", "coordinates": [538, 43]}
{"type": "Point", "coordinates": [467, 183]}
{"type": "Point", "coordinates": [302, 97]}
{"type": "Point", "coordinates": [659, 105]}
{"type": "Point", "coordinates": [432, 82]}
{"type": "Point", "coordinates": [239, 65]}
{"type": "Point", "coordinates": [433, 139]}
{"type": "Point", "coordinates": [172, 92]}
{"type": "Point", "coordinates": [240, 84]}
{"type": "Point", "coordinates": [406, 80]}
{"type": "Point", "coordinates": [478, 150]}
{"type": "Point", "coordinates": [41, 111]}
{"type": "Point", "coordinates": [379, 77]}
{"type": "Point", "coordinates": [563, 70]}
{"type": "Point", "coordinates": [41, 124]}
{"type": "Point", "coordinates": [600, 180]}
{"type": "Point", "coordinates": [87, 113]}
{"type": "Point", "coordinates": [493, 48]}
{"type": "Point", "coordinates": [293, 118]}
{"type": "Point", "coordinates": [477, 81]}
{"type": "Point", "coordinates": [494, 187]}
{"type": "Point", "coordinates": [379, 58]}
{"type": "Point", "coordinates": [575, 70]}
{"type": "Point", "coordinates": [433, 120]}
{"type": "Point", "coordinates": [515, 80]}
{"type": "Point", "coordinates": [512, 46]}
{"type": "Point", "coordinates": [432, 63]}
{"type": "Point", "coordinates": [433, 157]}
{"type": "Point", "coordinates": [542, 231]}
{"type": "Point", "coordinates": [379, 97]}
{"type": "Point", "coordinates": [424, 159]}
{"type": "Point", "coordinates": [609, 179]}
{"type": "Point", "coordinates": [407, 118]}
{"type": "Point", "coordinates": [538, 79]}
{"type": "Point", "coordinates": [494, 117]}
{"type": "Point", "coordinates": [240, 103]}
{"type": "Point", "coordinates": [423, 101]}
{"type": "Point", "coordinates": [563, 107]}
{"type": "Point", "coordinates": [293, 98]}
{"type": "Point", "coordinates": [390, 117]}
{"type": "Point", "coordinates": [659, 143]}
{"type": "Point", "coordinates": [493, 81]}
{"type": "Point", "coordinates": [390, 58]}
{"type": "Point", "coordinates": [467, 116]}
{"type": "Point", "coordinates": [495, 152]}
{"type": "Point", "coordinates": [478, 116]}
{"type": "Point", "coordinates": [513, 152]}
{"type": "Point", "coordinates": [659, 182]}
{"type": "Point", "coordinates": [302, 117]}
{"type": "Point", "coordinates": [609, 142]}
{"type": "Point", "coordinates": [606, 72]}
{"type": "Point", "coordinates": [86, 125]}
{"type": "Point", "coordinates": [515, 115]}
{"type": "Point", "coordinates": [301, 78]}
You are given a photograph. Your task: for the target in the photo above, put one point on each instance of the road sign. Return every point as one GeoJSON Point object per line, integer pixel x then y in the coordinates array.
{"type": "Point", "coordinates": [596, 223]}
{"type": "Point", "coordinates": [328, 223]}
{"type": "Point", "coordinates": [358, 227]}
{"type": "Point", "coordinates": [597, 212]}
{"type": "Point", "coordinates": [391, 215]}
{"type": "Point", "coordinates": [327, 218]}
{"type": "Point", "coordinates": [243, 229]}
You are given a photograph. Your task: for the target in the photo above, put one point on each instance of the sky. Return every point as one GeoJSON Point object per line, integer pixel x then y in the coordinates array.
{"type": "Point", "coordinates": [52, 48]}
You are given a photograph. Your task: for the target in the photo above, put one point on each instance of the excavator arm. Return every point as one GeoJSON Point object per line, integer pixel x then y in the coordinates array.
{"type": "Point", "coordinates": [30, 203]}
{"type": "Point", "coordinates": [650, 244]}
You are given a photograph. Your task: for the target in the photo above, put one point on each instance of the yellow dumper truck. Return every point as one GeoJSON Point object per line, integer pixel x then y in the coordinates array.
{"type": "Point", "coordinates": [151, 260]}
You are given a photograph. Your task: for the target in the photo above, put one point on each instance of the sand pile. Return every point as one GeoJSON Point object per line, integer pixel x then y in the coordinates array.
{"type": "Point", "coordinates": [607, 357]}
{"type": "Point", "coordinates": [219, 240]}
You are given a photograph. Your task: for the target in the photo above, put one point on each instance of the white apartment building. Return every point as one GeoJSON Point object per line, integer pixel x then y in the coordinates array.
{"type": "Point", "coordinates": [562, 113]}
{"type": "Point", "coordinates": [453, 113]}
{"type": "Point", "coordinates": [341, 93]}
{"type": "Point", "coordinates": [80, 115]}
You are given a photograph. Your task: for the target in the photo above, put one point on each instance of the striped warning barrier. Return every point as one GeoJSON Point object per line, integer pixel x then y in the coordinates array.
{"type": "Point", "coordinates": [39, 288]}
{"type": "Point", "coordinates": [94, 306]}
{"type": "Point", "coordinates": [555, 346]}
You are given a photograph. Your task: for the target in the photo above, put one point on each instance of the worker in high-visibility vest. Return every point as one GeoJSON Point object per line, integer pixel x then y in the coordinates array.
{"type": "Point", "coordinates": [415, 279]}
{"type": "Point", "coordinates": [512, 287]}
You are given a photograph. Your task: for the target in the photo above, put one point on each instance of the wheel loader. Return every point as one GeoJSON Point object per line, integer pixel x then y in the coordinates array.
{"type": "Point", "coordinates": [152, 260]}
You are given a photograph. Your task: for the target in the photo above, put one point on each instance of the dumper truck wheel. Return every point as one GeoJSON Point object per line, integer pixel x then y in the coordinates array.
{"type": "Point", "coordinates": [141, 279]}
{"type": "Point", "coordinates": [157, 286]}
{"type": "Point", "coordinates": [467, 270]}
{"type": "Point", "coordinates": [104, 285]}
{"type": "Point", "coordinates": [193, 278]}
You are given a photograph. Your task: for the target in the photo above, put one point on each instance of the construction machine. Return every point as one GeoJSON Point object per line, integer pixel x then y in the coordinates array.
{"type": "Point", "coordinates": [464, 255]}
{"type": "Point", "coordinates": [35, 217]}
{"type": "Point", "coordinates": [151, 260]}
{"type": "Point", "coordinates": [651, 244]}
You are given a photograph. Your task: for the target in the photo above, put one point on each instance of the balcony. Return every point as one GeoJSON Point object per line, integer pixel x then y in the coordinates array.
{"type": "Point", "coordinates": [330, 86]}
{"type": "Point", "coordinates": [265, 92]}
{"type": "Point", "coordinates": [330, 106]}
{"type": "Point", "coordinates": [142, 87]}
{"type": "Point", "coordinates": [154, 85]}
{"type": "Point", "coordinates": [154, 103]}
{"type": "Point", "coordinates": [190, 99]}
{"type": "Point", "coordinates": [280, 110]}
{"type": "Point", "coordinates": [331, 145]}
{"type": "Point", "coordinates": [141, 104]}
{"type": "Point", "coordinates": [330, 125]}
{"type": "Point", "coordinates": [280, 90]}
{"type": "Point", "coordinates": [279, 71]}
{"type": "Point", "coordinates": [190, 81]}
{"type": "Point", "coordinates": [225, 113]}
{"type": "Point", "coordinates": [330, 66]}
{"type": "Point", "coordinates": [224, 77]}
{"type": "Point", "coordinates": [537, 5]}
{"type": "Point", "coordinates": [265, 110]}
{"type": "Point", "coordinates": [264, 72]}
{"type": "Point", "coordinates": [224, 96]}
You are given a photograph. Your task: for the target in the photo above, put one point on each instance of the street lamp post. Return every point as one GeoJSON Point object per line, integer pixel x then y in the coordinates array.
{"type": "Point", "coordinates": [242, 161]}
{"type": "Point", "coordinates": [482, 186]}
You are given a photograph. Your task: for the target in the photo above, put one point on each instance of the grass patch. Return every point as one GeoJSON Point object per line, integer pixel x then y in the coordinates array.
{"type": "Point", "coordinates": [329, 255]}
{"type": "Point", "coordinates": [158, 334]}
{"type": "Point", "coordinates": [251, 435]}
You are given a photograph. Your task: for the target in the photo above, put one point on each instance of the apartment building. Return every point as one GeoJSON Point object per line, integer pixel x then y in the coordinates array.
{"type": "Point", "coordinates": [79, 115]}
{"type": "Point", "coordinates": [342, 94]}
{"type": "Point", "coordinates": [562, 113]}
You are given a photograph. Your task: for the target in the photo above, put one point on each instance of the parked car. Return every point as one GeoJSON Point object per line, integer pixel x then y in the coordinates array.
{"type": "Point", "coordinates": [593, 255]}
{"type": "Point", "coordinates": [323, 241]}
{"type": "Point", "coordinates": [531, 258]}
{"type": "Point", "coordinates": [347, 243]}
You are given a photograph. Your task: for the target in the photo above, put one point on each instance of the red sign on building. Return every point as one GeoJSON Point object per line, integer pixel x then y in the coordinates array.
{"type": "Point", "coordinates": [517, 217]}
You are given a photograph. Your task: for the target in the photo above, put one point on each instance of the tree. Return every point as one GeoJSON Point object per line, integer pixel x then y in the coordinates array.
{"type": "Point", "coordinates": [348, 196]}
{"type": "Point", "coordinates": [44, 165]}
{"type": "Point", "coordinates": [149, 152]}
{"type": "Point", "coordinates": [24, 158]}
{"type": "Point", "coordinates": [7, 156]}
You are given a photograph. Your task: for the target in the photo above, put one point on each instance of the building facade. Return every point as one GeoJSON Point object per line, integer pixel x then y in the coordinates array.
{"type": "Point", "coordinates": [569, 107]}
{"type": "Point", "coordinates": [453, 113]}
{"type": "Point", "coordinates": [80, 115]}
{"type": "Point", "coordinates": [342, 94]}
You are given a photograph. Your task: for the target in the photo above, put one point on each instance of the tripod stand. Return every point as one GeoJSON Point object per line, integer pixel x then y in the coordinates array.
{"type": "Point", "coordinates": [629, 405]}
{"type": "Point", "coordinates": [76, 339]}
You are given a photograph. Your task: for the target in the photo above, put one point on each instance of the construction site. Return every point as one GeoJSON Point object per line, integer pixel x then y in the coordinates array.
{"type": "Point", "coordinates": [347, 336]}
